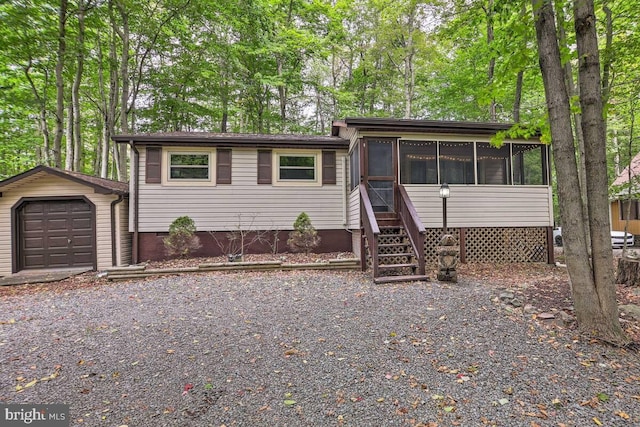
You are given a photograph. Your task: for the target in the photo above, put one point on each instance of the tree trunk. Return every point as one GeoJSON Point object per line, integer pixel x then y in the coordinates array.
{"type": "Point", "coordinates": [607, 59]}
{"type": "Point", "coordinates": [577, 117]}
{"type": "Point", "coordinates": [493, 116]}
{"type": "Point", "coordinates": [409, 70]}
{"type": "Point", "coordinates": [282, 93]}
{"type": "Point", "coordinates": [110, 100]}
{"type": "Point", "coordinates": [42, 113]}
{"type": "Point", "coordinates": [590, 289]}
{"type": "Point", "coordinates": [518, 97]}
{"type": "Point", "coordinates": [76, 164]}
{"type": "Point", "coordinates": [517, 102]}
{"type": "Point", "coordinates": [119, 155]}
{"type": "Point", "coordinates": [68, 161]}
{"type": "Point", "coordinates": [601, 313]}
{"type": "Point", "coordinates": [628, 272]}
{"type": "Point", "coordinates": [62, 51]}
{"type": "Point", "coordinates": [224, 99]}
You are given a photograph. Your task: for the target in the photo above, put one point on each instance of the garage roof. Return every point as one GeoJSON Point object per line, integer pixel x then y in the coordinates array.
{"type": "Point", "coordinates": [100, 185]}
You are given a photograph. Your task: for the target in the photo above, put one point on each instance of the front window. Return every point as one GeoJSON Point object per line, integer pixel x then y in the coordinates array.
{"type": "Point", "coordinates": [528, 164]}
{"type": "Point", "coordinates": [493, 164]}
{"type": "Point", "coordinates": [189, 166]}
{"type": "Point", "coordinates": [456, 163]}
{"type": "Point", "coordinates": [418, 162]}
{"type": "Point", "coordinates": [297, 168]}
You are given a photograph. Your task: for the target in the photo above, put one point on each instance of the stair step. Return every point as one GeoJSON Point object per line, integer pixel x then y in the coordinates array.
{"type": "Point", "coordinates": [391, 245]}
{"type": "Point", "coordinates": [394, 266]}
{"type": "Point", "coordinates": [390, 255]}
{"type": "Point", "coordinates": [396, 279]}
{"type": "Point", "coordinates": [391, 236]}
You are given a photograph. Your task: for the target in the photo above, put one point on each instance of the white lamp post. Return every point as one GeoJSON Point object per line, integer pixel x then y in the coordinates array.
{"type": "Point", "coordinates": [444, 195]}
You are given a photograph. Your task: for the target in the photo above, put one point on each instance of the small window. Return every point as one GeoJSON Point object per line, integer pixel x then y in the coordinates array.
{"type": "Point", "coordinates": [629, 210]}
{"type": "Point", "coordinates": [223, 160]}
{"type": "Point", "coordinates": [264, 166]}
{"type": "Point", "coordinates": [329, 167]}
{"type": "Point", "coordinates": [189, 166]}
{"type": "Point", "coordinates": [297, 167]}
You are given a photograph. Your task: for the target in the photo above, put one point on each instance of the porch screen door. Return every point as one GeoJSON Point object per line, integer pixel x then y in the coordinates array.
{"type": "Point", "coordinates": [380, 174]}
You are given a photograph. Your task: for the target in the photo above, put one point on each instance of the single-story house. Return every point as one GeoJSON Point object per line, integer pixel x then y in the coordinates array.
{"type": "Point", "coordinates": [57, 219]}
{"type": "Point", "coordinates": [371, 187]}
{"type": "Point", "coordinates": [625, 207]}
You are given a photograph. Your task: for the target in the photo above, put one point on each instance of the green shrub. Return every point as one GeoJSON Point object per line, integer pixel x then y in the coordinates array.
{"type": "Point", "coordinates": [182, 239]}
{"type": "Point", "coordinates": [304, 237]}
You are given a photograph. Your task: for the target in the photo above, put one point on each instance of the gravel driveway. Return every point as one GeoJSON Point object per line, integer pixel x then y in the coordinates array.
{"type": "Point", "coordinates": [304, 349]}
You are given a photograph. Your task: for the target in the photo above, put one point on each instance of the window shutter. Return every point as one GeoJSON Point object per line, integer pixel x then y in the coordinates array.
{"type": "Point", "coordinates": [223, 164]}
{"type": "Point", "coordinates": [153, 165]}
{"type": "Point", "coordinates": [328, 167]}
{"type": "Point", "coordinates": [264, 166]}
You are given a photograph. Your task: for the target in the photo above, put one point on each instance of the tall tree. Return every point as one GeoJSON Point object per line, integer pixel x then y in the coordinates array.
{"type": "Point", "coordinates": [60, 84]}
{"type": "Point", "coordinates": [592, 280]}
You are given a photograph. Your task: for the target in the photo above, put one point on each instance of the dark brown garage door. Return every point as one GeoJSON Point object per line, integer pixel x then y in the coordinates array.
{"type": "Point", "coordinates": [56, 234]}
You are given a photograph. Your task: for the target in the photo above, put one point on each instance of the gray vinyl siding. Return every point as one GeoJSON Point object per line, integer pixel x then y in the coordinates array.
{"type": "Point", "coordinates": [474, 206]}
{"type": "Point", "coordinates": [353, 216]}
{"type": "Point", "coordinates": [349, 134]}
{"type": "Point", "coordinates": [224, 207]}
{"type": "Point", "coordinates": [484, 205]}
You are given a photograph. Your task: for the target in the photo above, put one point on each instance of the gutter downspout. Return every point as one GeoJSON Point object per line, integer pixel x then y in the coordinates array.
{"type": "Point", "coordinates": [114, 254]}
{"type": "Point", "coordinates": [344, 192]}
{"type": "Point", "coordinates": [135, 250]}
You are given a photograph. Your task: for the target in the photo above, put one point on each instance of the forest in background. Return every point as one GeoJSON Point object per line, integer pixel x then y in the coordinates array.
{"type": "Point", "coordinates": [75, 72]}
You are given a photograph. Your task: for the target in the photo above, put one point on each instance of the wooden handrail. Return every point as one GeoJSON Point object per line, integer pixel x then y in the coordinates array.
{"type": "Point", "coordinates": [370, 225]}
{"type": "Point", "coordinates": [413, 226]}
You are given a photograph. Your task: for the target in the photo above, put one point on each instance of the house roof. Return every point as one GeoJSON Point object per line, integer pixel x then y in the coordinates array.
{"type": "Point", "coordinates": [431, 126]}
{"type": "Point", "coordinates": [234, 139]}
{"type": "Point", "coordinates": [100, 185]}
{"type": "Point", "coordinates": [313, 141]}
{"type": "Point", "coordinates": [623, 178]}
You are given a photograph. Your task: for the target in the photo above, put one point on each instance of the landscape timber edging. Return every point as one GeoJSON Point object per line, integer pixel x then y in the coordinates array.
{"type": "Point", "coordinates": [141, 271]}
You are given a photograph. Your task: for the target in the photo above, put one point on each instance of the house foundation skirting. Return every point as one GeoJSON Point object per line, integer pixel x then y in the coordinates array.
{"type": "Point", "coordinates": [216, 243]}
{"type": "Point", "coordinates": [495, 244]}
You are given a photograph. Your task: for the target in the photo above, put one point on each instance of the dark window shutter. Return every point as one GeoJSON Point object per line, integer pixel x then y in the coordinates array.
{"type": "Point", "coordinates": [264, 166]}
{"type": "Point", "coordinates": [223, 163]}
{"type": "Point", "coordinates": [153, 165]}
{"type": "Point", "coordinates": [328, 167]}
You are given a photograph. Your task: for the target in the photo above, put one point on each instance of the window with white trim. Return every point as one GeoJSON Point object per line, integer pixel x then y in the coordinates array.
{"type": "Point", "coordinates": [297, 167]}
{"type": "Point", "coordinates": [192, 166]}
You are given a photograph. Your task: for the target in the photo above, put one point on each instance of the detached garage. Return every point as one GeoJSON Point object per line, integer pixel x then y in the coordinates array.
{"type": "Point", "coordinates": [56, 219]}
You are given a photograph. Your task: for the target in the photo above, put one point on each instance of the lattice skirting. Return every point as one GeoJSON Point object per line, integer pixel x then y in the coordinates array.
{"type": "Point", "coordinates": [494, 244]}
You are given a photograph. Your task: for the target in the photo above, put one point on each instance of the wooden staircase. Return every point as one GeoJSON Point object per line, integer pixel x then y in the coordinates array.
{"type": "Point", "coordinates": [393, 248]}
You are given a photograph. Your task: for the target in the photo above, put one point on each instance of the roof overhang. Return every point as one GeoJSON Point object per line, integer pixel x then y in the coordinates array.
{"type": "Point", "coordinates": [422, 126]}
{"type": "Point", "coordinates": [99, 185]}
{"type": "Point", "coordinates": [235, 140]}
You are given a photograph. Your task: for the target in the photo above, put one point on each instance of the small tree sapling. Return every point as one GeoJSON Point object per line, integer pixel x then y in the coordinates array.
{"type": "Point", "coordinates": [304, 237]}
